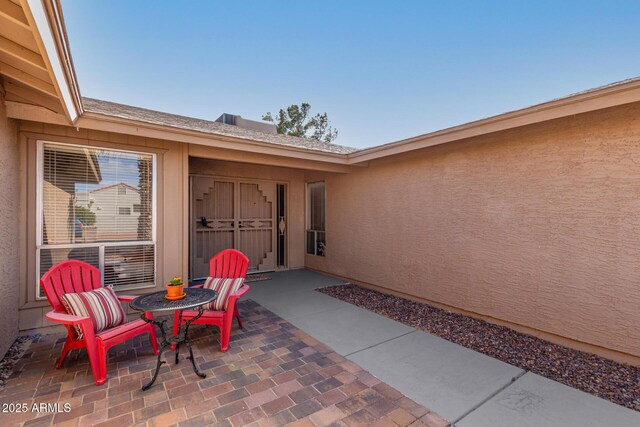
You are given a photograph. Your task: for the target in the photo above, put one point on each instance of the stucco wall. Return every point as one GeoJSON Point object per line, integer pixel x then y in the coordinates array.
{"type": "Point", "coordinates": [9, 262]}
{"type": "Point", "coordinates": [538, 227]}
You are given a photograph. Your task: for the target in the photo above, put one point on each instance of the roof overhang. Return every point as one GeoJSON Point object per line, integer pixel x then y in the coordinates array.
{"type": "Point", "coordinates": [46, 17]}
{"type": "Point", "coordinates": [230, 148]}
{"type": "Point", "coordinates": [616, 94]}
{"type": "Point", "coordinates": [35, 62]}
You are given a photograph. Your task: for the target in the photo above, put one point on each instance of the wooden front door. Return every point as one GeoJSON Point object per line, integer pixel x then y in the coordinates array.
{"type": "Point", "coordinates": [236, 214]}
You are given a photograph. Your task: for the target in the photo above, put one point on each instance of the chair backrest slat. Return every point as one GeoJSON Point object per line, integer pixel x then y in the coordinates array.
{"type": "Point", "coordinates": [87, 279]}
{"type": "Point", "coordinates": [229, 263]}
{"type": "Point", "coordinates": [67, 280]}
{"type": "Point", "coordinates": [69, 277]}
{"type": "Point", "coordinates": [76, 277]}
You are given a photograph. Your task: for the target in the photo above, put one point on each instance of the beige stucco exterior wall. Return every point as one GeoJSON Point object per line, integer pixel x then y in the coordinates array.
{"type": "Point", "coordinates": [537, 227]}
{"type": "Point", "coordinates": [9, 262]}
{"type": "Point", "coordinates": [294, 178]}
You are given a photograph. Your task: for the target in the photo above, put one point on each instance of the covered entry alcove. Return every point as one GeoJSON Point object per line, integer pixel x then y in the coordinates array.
{"type": "Point", "coordinates": [256, 209]}
{"type": "Point", "coordinates": [252, 201]}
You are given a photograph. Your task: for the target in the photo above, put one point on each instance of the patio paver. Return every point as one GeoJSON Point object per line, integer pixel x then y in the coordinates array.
{"type": "Point", "coordinates": [273, 374]}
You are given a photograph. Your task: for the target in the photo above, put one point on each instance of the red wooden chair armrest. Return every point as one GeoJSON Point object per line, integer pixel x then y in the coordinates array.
{"type": "Point", "coordinates": [243, 290]}
{"type": "Point", "coordinates": [127, 298]}
{"type": "Point", "coordinates": [64, 318]}
{"type": "Point", "coordinates": [235, 296]}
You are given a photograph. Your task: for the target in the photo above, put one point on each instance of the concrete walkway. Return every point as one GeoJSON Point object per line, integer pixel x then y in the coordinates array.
{"type": "Point", "coordinates": [464, 386]}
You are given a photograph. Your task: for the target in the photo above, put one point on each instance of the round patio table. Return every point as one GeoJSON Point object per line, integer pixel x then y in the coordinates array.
{"type": "Point", "coordinates": [157, 303]}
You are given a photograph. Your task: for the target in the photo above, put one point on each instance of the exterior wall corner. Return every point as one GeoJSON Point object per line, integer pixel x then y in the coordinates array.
{"type": "Point", "coordinates": [9, 234]}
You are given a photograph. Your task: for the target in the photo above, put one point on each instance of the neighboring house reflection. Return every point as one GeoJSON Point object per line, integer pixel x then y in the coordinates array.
{"type": "Point", "coordinates": [116, 208]}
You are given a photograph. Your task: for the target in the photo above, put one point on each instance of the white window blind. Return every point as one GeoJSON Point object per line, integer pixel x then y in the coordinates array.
{"type": "Point", "coordinates": [316, 236]}
{"type": "Point", "coordinates": [97, 205]}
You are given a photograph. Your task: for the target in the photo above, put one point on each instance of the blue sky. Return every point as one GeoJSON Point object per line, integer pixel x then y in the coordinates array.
{"type": "Point", "coordinates": [382, 70]}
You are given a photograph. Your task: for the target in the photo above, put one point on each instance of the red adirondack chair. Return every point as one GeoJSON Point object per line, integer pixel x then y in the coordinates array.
{"type": "Point", "coordinates": [228, 264]}
{"type": "Point", "coordinates": [73, 277]}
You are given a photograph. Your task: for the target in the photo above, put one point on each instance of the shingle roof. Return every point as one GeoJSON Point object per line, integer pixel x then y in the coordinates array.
{"type": "Point", "coordinates": [205, 126]}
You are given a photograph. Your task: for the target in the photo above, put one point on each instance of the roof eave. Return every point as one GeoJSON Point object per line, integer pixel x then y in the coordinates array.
{"type": "Point", "coordinates": [609, 96]}
{"type": "Point", "coordinates": [96, 121]}
{"type": "Point", "coordinates": [45, 18]}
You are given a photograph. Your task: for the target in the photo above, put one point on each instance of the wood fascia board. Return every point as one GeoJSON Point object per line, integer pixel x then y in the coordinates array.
{"type": "Point", "coordinates": [27, 79]}
{"type": "Point", "coordinates": [14, 13]}
{"type": "Point", "coordinates": [22, 53]}
{"type": "Point", "coordinates": [52, 52]}
{"type": "Point", "coordinates": [55, 12]}
{"type": "Point", "coordinates": [34, 97]}
{"type": "Point", "coordinates": [205, 152]}
{"type": "Point", "coordinates": [34, 113]}
{"type": "Point", "coordinates": [582, 103]}
{"type": "Point", "coordinates": [131, 127]}
{"type": "Point", "coordinates": [12, 96]}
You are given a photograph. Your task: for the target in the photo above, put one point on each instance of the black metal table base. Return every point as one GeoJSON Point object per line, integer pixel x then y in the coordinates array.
{"type": "Point", "coordinates": [182, 337]}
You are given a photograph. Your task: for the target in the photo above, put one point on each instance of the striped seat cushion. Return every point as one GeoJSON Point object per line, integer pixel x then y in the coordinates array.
{"type": "Point", "coordinates": [225, 288]}
{"type": "Point", "coordinates": [100, 305]}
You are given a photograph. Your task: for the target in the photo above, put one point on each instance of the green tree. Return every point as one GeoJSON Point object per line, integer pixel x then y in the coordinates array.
{"type": "Point", "coordinates": [85, 215]}
{"type": "Point", "coordinates": [295, 120]}
{"type": "Point", "coordinates": [145, 220]}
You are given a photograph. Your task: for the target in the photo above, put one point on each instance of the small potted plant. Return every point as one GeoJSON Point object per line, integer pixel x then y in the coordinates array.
{"type": "Point", "coordinates": [175, 288]}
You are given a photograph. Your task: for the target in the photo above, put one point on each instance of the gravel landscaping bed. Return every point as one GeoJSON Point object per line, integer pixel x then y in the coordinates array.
{"type": "Point", "coordinates": [13, 355]}
{"type": "Point", "coordinates": [601, 377]}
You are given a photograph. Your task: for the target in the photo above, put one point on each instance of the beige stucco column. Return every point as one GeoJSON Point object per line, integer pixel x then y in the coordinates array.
{"type": "Point", "coordinates": [9, 262]}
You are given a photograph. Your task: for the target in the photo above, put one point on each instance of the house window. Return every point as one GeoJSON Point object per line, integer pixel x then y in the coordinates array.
{"type": "Point", "coordinates": [79, 213]}
{"type": "Point", "coordinates": [316, 239]}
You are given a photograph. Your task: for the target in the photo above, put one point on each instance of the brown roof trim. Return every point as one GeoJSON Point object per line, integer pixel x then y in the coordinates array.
{"type": "Point", "coordinates": [209, 127]}
{"type": "Point", "coordinates": [47, 25]}
{"type": "Point", "coordinates": [134, 127]}
{"type": "Point", "coordinates": [611, 95]}
{"type": "Point", "coordinates": [55, 11]}
{"type": "Point", "coordinates": [615, 94]}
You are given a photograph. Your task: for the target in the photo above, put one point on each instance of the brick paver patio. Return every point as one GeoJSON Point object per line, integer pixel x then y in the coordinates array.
{"type": "Point", "coordinates": [273, 374]}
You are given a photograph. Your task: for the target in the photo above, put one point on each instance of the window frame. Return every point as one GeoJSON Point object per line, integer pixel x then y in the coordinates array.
{"type": "Point", "coordinates": [308, 217]}
{"type": "Point", "coordinates": [40, 144]}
